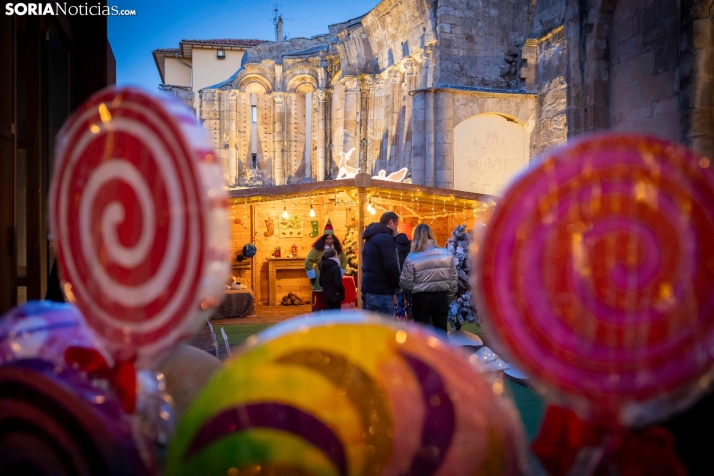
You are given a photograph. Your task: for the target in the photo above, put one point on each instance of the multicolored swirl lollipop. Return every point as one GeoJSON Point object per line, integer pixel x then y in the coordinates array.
{"type": "Point", "coordinates": [348, 393]}
{"type": "Point", "coordinates": [138, 210]}
{"type": "Point", "coordinates": [596, 276]}
{"type": "Point", "coordinates": [54, 422]}
{"type": "Point", "coordinates": [45, 330]}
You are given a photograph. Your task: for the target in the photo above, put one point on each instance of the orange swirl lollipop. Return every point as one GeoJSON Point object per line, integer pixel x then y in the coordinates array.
{"type": "Point", "coordinates": [596, 276]}
{"type": "Point", "coordinates": [138, 209]}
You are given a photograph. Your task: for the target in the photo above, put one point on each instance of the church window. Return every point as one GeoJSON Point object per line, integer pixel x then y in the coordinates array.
{"type": "Point", "coordinates": [254, 114]}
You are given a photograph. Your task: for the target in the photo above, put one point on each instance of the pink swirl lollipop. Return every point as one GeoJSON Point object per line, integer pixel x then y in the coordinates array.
{"type": "Point", "coordinates": [138, 209]}
{"type": "Point", "coordinates": [596, 276]}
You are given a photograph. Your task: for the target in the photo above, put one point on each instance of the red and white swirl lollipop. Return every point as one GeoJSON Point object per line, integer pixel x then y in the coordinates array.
{"type": "Point", "coordinates": [139, 213]}
{"type": "Point", "coordinates": [596, 276]}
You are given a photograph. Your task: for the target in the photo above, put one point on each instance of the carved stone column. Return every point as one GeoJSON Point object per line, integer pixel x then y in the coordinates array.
{"type": "Point", "coordinates": [393, 101]}
{"type": "Point", "coordinates": [351, 117]}
{"type": "Point", "coordinates": [444, 139]}
{"type": "Point", "coordinates": [230, 120]}
{"type": "Point", "coordinates": [429, 172]}
{"type": "Point", "coordinates": [424, 57]}
{"type": "Point", "coordinates": [696, 101]}
{"type": "Point", "coordinates": [320, 94]}
{"type": "Point", "coordinates": [365, 89]}
{"type": "Point", "coordinates": [328, 133]}
{"type": "Point", "coordinates": [378, 124]}
{"type": "Point", "coordinates": [279, 140]}
{"type": "Point", "coordinates": [418, 137]}
{"type": "Point", "coordinates": [278, 77]}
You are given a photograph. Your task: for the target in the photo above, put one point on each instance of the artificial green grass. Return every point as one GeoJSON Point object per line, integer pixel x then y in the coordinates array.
{"type": "Point", "coordinates": [238, 333]}
{"type": "Point", "coordinates": [530, 406]}
{"type": "Point", "coordinates": [472, 327]}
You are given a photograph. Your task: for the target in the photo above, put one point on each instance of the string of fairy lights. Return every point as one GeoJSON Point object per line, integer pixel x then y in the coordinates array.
{"type": "Point", "coordinates": [409, 206]}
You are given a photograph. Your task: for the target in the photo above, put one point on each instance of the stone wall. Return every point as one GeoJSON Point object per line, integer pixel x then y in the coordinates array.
{"type": "Point", "coordinates": [183, 94]}
{"type": "Point", "coordinates": [398, 29]}
{"type": "Point", "coordinates": [547, 15]}
{"type": "Point", "coordinates": [697, 75]}
{"type": "Point", "coordinates": [551, 127]}
{"type": "Point", "coordinates": [635, 65]}
{"type": "Point", "coordinates": [274, 50]}
{"type": "Point", "coordinates": [437, 112]}
{"type": "Point", "coordinates": [475, 37]}
{"type": "Point", "coordinates": [392, 86]}
{"type": "Point", "coordinates": [644, 68]}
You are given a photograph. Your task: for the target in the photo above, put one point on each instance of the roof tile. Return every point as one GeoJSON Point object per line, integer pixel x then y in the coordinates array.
{"type": "Point", "coordinates": [166, 50]}
{"type": "Point", "coordinates": [227, 42]}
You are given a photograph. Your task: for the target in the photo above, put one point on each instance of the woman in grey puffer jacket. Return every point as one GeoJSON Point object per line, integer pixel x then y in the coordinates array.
{"type": "Point", "coordinates": [429, 273]}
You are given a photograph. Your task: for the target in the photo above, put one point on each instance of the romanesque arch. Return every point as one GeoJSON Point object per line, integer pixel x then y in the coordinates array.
{"type": "Point", "coordinates": [489, 149]}
{"type": "Point", "coordinates": [255, 79]}
{"type": "Point", "coordinates": [300, 129]}
{"type": "Point", "coordinates": [304, 82]}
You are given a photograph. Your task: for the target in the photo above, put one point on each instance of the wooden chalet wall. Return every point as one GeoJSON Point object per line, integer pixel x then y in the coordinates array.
{"type": "Point", "coordinates": [334, 207]}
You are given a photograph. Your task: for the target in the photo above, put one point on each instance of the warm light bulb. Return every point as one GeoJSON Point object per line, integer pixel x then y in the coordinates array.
{"type": "Point", "coordinates": [312, 212]}
{"type": "Point", "coordinates": [372, 211]}
{"type": "Point", "coordinates": [285, 212]}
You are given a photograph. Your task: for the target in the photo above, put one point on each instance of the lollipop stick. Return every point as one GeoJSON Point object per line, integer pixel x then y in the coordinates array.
{"type": "Point", "coordinates": [225, 339]}
{"type": "Point", "coordinates": [213, 337]}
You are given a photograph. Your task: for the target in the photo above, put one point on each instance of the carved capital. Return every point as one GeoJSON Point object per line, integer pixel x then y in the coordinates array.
{"type": "Point", "coordinates": [378, 83]}
{"type": "Point", "coordinates": [410, 67]}
{"type": "Point", "coordinates": [426, 54]}
{"type": "Point", "coordinates": [394, 75]}
{"type": "Point", "coordinates": [351, 84]}
{"type": "Point", "coordinates": [366, 83]}
{"type": "Point", "coordinates": [278, 98]}
{"type": "Point", "coordinates": [320, 95]}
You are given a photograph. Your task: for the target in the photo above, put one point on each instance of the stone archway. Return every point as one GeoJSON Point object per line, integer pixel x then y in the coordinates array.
{"type": "Point", "coordinates": [489, 150]}
{"type": "Point", "coordinates": [255, 81]}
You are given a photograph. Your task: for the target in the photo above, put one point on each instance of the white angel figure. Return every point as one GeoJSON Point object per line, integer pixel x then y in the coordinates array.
{"type": "Point", "coordinates": [397, 176]}
{"type": "Point", "coordinates": [345, 170]}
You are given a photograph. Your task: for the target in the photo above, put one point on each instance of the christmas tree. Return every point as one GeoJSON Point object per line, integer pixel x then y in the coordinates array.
{"type": "Point", "coordinates": [461, 309]}
{"type": "Point", "coordinates": [349, 246]}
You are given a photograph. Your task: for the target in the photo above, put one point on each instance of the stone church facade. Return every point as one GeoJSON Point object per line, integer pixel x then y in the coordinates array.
{"type": "Point", "coordinates": [463, 93]}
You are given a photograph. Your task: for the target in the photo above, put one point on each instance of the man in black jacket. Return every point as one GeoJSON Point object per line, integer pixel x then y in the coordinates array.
{"type": "Point", "coordinates": [380, 269]}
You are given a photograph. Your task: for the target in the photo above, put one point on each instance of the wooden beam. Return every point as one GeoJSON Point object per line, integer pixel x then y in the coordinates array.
{"type": "Point", "coordinates": [254, 268]}
{"type": "Point", "coordinates": [360, 229]}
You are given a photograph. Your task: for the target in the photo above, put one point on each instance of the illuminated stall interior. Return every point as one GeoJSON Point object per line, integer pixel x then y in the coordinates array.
{"type": "Point", "coordinates": [282, 218]}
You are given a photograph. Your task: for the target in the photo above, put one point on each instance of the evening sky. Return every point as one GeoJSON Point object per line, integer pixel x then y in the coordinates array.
{"type": "Point", "coordinates": [163, 23]}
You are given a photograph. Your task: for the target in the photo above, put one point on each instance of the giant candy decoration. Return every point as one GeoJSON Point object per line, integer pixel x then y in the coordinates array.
{"type": "Point", "coordinates": [349, 394]}
{"type": "Point", "coordinates": [138, 210]}
{"type": "Point", "coordinates": [596, 275]}
{"type": "Point", "coordinates": [52, 422]}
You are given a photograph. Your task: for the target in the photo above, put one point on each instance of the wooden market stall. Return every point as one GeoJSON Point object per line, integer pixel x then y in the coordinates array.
{"type": "Point", "coordinates": [280, 218]}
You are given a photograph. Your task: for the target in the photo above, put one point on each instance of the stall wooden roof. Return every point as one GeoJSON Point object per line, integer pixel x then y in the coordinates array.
{"type": "Point", "coordinates": [382, 189]}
